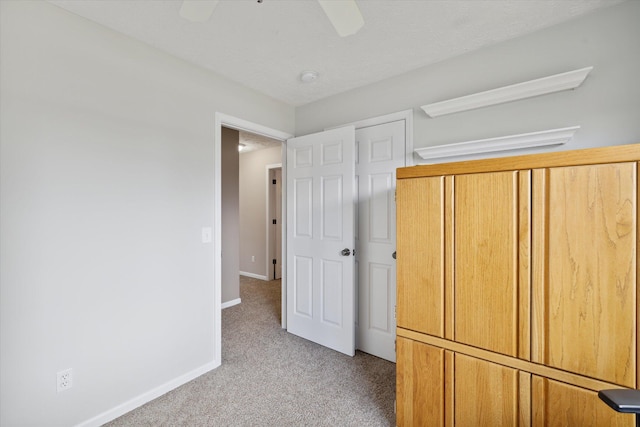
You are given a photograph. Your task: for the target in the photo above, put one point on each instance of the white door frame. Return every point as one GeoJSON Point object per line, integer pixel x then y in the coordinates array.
{"type": "Point", "coordinates": [269, 217]}
{"type": "Point", "coordinates": [244, 125]}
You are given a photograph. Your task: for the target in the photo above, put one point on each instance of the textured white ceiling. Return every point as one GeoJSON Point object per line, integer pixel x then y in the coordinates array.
{"type": "Point", "coordinates": [266, 45]}
{"type": "Point", "coordinates": [253, 142]}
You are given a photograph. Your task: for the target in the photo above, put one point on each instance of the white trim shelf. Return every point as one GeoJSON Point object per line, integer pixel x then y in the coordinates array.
{"type": "Point", "coordinates": [542, 86]}
{"type": "Point", "coordinates": [502, 143]}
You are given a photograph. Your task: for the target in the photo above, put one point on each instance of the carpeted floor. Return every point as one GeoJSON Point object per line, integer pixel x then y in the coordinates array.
{"type": "Point", "coordinates": [269, 377]}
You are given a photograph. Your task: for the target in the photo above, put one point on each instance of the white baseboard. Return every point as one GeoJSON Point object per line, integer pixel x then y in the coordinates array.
{"type": "Point", "coordinates": [255, 276]}
{"type": "Point", "coordinates": [231, 303]}
{"type": "Point", "coordinates": [147, 397]}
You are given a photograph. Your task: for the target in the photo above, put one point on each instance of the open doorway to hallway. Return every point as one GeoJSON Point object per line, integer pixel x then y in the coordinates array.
{"type": "Point", "coordinates": [251, 219]}
{"type": "Point", "coordinates": [221, 301]}
{"type": "Point", "coordinates": [251, 211]}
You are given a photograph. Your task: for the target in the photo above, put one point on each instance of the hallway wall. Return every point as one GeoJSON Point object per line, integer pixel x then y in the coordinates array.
{"type": "Point", "coordinates": [253, 209]}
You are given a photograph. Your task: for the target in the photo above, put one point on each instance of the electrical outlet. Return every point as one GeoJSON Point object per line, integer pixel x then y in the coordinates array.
{"type": "Point", "coordinates": [65, 379]}
{"type": "Point", "coordinates": [253, 258]}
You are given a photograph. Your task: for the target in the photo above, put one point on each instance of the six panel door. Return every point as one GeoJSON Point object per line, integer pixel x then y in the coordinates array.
{"type": "Point", "coordinates": [380, 150]}
{"type": "Point", "coordinates": [320, 267]}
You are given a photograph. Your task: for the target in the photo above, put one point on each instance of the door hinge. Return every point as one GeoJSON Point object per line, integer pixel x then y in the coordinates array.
{"type": "Point", "coordinates": [395, 309]}
{"type": "Point", "coordinates": [274, 221]}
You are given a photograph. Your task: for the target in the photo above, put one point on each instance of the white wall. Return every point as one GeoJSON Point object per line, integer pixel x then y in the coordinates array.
{"type": "Point", "coordinates": [230, 208]}
{"type": "Point", "coordinates": [607, 105]}
{"type": "Point", "coordinates": [106, 178]}
{"type": "Point", "coordinates": [253, 208]}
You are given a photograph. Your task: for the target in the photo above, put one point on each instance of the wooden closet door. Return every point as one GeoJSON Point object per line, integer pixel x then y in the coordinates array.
{"type": "Point", "coordinates": [560, 405]}
{"type": "Point", "coordinates": [420, 255]}
{"type": "Point", "coordinates": [487, 262]}
{"type": "Point", "coordinates": [585, 307]}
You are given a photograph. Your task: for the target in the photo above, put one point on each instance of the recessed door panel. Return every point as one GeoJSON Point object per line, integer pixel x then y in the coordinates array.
{"type": "Point", "coordinates": [303, 207]}
{"type": "Point", "coordinates": [380, 290]}
{"type": "Point", "coordinates": [331, 202]}
{"type": "Point", "coordinates": [381, 150]}
{"type": "Point", "coordinates": [332, 285]}
{"type": "Point", "coordinates": [331, 153]}
{"type": "Point", "coordinates": [303, 291]}
{"type": "Point", "coordinates": [381, 193]}
{"type": "Point", "coordinates": [302, 157]}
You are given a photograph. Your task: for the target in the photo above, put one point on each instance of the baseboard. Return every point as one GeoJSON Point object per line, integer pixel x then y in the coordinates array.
{"type": "Point", "coordinates": [147, 397]}
{"type": "Point", "coordinates": [230, 303]}
{"type": "Point", "coordinates": [255, 276]}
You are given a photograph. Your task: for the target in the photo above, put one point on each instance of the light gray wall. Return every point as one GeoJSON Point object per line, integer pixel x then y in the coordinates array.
{"type": "Point", "coordinates": [106, 179]}
{"type": "Point", "coordinates": [253, 208]}
{"type": "Point", "coordinates": [607, 105]}
{"type": "Point", "coordinates": [230, 215]}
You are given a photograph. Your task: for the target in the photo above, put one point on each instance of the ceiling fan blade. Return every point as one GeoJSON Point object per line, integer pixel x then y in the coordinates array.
{"type": "Point", "coordinates": [344, 15]}
{"type": "Point", "coordinates": [197, 10]}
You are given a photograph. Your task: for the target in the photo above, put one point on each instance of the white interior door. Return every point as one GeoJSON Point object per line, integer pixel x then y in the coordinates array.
{"type": "Point", "coordinates": [320, 231]}
{"type": "Point", "coordinates": [379, 151]}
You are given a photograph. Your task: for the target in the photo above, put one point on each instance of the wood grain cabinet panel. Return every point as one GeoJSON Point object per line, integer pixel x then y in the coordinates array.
{"type": "Point", "coordinates": [486, 261]}
{"type": "Point", "coordinates": [420, 255]}
{"type": "Point", "coordinates": [560, 405]}
{"type": "Point", "coordinates": [486, 394]}
{"type": "Point", "coordinates": [590, 309]}
{"type": "Point", "coordinates": [419, 384]}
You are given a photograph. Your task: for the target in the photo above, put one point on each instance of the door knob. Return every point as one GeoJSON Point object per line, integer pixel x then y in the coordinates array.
{"type": "Point", "coordinates": [393, 255]}
{"type": "Point", "coordinates": [345, 252]}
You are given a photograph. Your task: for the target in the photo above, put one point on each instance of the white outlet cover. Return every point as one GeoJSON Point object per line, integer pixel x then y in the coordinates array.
{"type": "Point", "coordinates": [64, 380]}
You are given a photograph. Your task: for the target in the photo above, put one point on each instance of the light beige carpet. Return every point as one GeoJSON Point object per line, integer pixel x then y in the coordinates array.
{"type": "Point", "coordinates": [269, 377]}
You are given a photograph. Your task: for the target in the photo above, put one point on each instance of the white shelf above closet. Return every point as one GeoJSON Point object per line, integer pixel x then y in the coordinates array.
{"type": "Point", "coordinates": [542, 86]}
{"type": "Point", "coordinates": [503, 143]}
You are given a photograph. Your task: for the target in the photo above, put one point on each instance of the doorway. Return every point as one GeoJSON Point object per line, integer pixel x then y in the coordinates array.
{"type": "Point", "coordinates": [223, 120]}
{"type": "Point", "coordinates": [239, 124]}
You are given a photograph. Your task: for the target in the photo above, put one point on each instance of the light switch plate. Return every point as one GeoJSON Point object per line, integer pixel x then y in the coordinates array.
{"type": "Point", "coordinates": [206, 234]}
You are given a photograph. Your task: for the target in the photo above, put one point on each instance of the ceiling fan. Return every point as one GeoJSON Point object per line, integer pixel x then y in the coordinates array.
{"type": "Point", "coordinates": [344, 14]}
